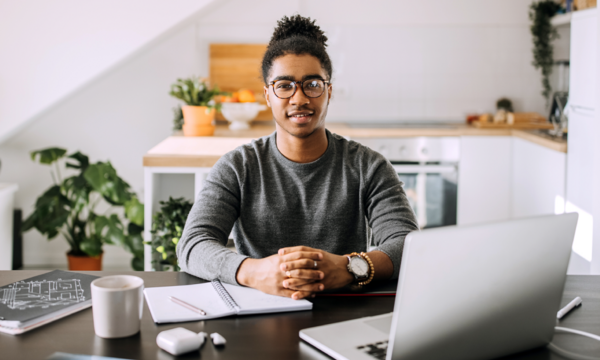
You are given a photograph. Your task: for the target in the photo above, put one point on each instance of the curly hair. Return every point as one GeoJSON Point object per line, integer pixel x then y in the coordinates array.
{"type": "Point", "coordinates": [299, 36]}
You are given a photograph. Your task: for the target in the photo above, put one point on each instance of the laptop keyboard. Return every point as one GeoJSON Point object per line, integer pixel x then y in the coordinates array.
{"type": "Point", "coordinates": [376, 350]}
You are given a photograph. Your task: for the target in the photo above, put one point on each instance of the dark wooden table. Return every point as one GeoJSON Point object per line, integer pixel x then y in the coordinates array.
{"type": "Point", "coordinates": [259, 336]}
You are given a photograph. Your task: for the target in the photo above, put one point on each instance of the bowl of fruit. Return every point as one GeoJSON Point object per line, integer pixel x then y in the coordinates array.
{"type": "Point", "coordinates": [240, 108]}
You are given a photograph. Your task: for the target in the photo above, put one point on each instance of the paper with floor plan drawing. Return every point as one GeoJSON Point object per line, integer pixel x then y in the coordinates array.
{"type": "Point", "coordinates": [43, 298]}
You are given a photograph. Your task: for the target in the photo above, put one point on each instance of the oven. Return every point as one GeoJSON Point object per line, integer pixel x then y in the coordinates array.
{"type": "Point", "coordinates": [428, 167]}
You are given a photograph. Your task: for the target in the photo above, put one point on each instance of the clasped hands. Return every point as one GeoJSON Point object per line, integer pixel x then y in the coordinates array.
{"type": "Point", "coordinates": [292, 272]}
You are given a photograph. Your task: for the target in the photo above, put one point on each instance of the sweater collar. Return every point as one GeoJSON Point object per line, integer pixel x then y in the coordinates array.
{"type": "Point", "coordinates": [302, 166]}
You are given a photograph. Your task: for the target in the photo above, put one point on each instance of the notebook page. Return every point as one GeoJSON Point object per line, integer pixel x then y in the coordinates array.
{"type": "Point", "coordinates": [202, 296]}
{"type": "Point", "coordinates": [252, 301]}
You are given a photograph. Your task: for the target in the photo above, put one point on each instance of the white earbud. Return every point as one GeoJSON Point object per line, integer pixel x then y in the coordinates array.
{"type": "Point", "coordinates": [217, 339]}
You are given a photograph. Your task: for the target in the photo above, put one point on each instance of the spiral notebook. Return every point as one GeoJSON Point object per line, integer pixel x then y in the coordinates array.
{"type": "Point", "coordinates": [217, 300]}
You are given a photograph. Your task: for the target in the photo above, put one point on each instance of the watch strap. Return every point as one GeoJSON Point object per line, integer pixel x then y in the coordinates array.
{"type": "Point", "coordinates": [371, 269]}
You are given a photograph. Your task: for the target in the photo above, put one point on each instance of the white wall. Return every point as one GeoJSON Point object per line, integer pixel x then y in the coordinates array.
{"type": "Point", "coordinates": [51, 48]}
{"type": "Point", "coordinates": [405, 60]}
{"type": "Point", "coordinates": [393, 60]}
{"type": "Point", "coordinates": [118, 117]}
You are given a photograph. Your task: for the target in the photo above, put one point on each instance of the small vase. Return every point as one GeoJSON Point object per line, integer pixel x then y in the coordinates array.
{"type": "Point", "coordinates": [198, 121]}
{"type": "Point", "coordinates": [84, 262]}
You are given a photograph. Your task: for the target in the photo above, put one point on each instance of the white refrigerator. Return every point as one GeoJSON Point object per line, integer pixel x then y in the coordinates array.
{"type": "Point", "coordinates": [581, 153]}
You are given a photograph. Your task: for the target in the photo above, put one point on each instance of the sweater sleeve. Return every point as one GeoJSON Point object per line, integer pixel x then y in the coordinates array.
{"type": "Point", "coordinates": [201, 251]}
{"type": "Point", "coordinates": [389, 213]}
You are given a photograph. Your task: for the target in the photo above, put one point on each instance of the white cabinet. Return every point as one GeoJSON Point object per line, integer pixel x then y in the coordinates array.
{"type": "Point", "coordinates": [505, 177]}
{"type": "Point", "coordinates": [538, 179]}
{"type": "Point", "coordinates": [545, 181]}
{"type": "Point", "coordinates": [580, 187]}
{"type": "Point", "coordinates": [582, 157]}
{"type": "Point", "coordinates": [7, 198]}
{"type": "Point", "coordinates": [595, 266]}
{"type": "Point", "coordinates": [484, 179]}
{"type": "Point", "coordinates": [580, 172]}
{"type": "Point", "coordinates": [584, 60]}
{"type": "Point", "coordinates": [502, 177]}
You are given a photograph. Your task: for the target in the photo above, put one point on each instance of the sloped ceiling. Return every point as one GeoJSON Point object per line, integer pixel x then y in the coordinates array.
{"type": "Point", "coordinates": [49, 49]}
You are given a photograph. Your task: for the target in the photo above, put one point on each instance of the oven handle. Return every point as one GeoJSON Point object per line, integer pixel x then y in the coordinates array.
{"type": "Point", "coordinates": [415, 169]}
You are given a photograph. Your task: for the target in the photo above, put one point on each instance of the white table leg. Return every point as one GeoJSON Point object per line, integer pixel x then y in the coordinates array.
{"type": "Point", "coordinates": [149, 191]}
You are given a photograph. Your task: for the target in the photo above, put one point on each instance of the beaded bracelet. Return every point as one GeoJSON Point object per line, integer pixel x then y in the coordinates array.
{"type": "Point", "coordinates": [371, 269]}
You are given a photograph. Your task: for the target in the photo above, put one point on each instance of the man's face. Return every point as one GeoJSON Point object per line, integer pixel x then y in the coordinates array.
{"type": "Point", "coordinates": [299, 115]}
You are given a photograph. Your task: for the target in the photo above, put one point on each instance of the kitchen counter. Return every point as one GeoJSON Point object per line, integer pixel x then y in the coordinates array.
{"type": "Point", "coordinates": [490, 165]}
{"type": "Point", "coordinates": [180, 151]}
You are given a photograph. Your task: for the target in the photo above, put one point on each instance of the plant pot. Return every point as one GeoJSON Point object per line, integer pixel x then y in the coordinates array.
{"type": "Point", "coordinates": [198, 121]}
{"type": "Point", "coordinates": [84, 262]}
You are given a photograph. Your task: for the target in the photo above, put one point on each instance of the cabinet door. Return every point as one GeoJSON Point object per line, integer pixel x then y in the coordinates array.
{"type": "Point", "coordinates": [580, 188]}
{"type": "Point", "coordinates": [580, 169]}
{"type": "Point", "coordinates": [484, 179]}
{"type": "Point", "coordinates": [538, 179]}
{"type": "Point", "coordinates": [584, 59]}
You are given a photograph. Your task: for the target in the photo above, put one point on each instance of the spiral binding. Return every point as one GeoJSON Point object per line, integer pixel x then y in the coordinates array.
{"type": "Point", "coordinates": [225, 296]}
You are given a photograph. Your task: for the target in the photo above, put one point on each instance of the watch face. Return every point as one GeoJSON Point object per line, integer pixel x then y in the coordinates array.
{"type": "Point", "coordinates": [359, 266]}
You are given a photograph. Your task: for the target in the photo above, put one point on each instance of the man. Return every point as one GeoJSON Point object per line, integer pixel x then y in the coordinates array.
{"type": "Point", "coordinates": [300, 200]}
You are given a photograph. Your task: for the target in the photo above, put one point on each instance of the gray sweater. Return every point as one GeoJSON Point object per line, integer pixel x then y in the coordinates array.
{"type": "Point", "coordinates": [272, 202]}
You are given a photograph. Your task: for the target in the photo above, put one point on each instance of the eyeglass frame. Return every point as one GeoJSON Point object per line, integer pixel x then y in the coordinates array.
{"type": "Point", "coordinates": [296, 83]}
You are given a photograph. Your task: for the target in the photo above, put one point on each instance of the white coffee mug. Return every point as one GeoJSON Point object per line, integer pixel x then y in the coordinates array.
{"type": "Point", "coordinates": [117, 305]}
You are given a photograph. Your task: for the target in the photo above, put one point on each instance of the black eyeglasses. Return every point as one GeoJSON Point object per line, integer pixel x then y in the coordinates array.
{"type": "Point", "coordinates": [312, 88]}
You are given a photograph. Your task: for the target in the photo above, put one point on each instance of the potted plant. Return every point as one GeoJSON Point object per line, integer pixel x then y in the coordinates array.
{"type": "Point", "coordinates": [543, 33]}
{"type": "Point", "coordinates": [200, 108]}
{"type": "Point", "coordinates": [177, 120]}
{"type": "Point", "coordinates": [70, 207]}
{"type": "Point", "coordinates": [167, 227]}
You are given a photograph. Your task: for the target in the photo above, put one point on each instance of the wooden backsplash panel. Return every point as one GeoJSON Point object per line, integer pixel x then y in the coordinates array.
{"type": "Point", "coordinates": [237, 66]}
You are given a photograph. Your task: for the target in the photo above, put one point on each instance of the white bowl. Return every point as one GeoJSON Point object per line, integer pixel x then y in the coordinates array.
{"type": "Point", "coordinates": [239, 114]}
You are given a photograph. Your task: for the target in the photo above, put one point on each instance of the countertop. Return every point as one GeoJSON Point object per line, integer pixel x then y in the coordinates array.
{"type": "Point", "coordinates": [180, 151]}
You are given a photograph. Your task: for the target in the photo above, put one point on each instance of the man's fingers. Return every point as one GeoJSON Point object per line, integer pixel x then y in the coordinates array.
{"type": "Point", "coordinates": [292, 249]}
{"type": "Point", "coordinates": [287, 292]}
{"type": "Point", "coordinates": [296, 295]}
{"type": "Point", "coordinates": [299, 264]}
{"type": "Point", "coordinates": [305, 274]}
{"type": "Point", "coordinates": [296, 255]}
{"type": "Point", "coordinates": [293, 284]}
{"type": "Point", "coordinates": [302, 295]}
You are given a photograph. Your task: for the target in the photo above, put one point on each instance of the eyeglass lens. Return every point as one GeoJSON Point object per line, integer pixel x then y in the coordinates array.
{"type": "Point", "coordinates": [312, 88]}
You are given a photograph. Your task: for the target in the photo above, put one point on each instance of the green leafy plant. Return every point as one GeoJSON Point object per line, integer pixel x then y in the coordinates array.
{"type": "Point", "coordinates": [196, 92]}
{"type": "Point", "coordinates": [543, 33]}
{"type": "Point", "coordinates": [177, 118]}
{"type": "Point", "coordinates": [505, 104]}
{"type": "Point", "coordinates": [167, 227]}
{"type": "Point", "coordinates": [69, 207]}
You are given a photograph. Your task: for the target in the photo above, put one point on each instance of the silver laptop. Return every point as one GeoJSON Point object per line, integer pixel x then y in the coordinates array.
{"type": "Point", "coordinates": [465, 292]}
